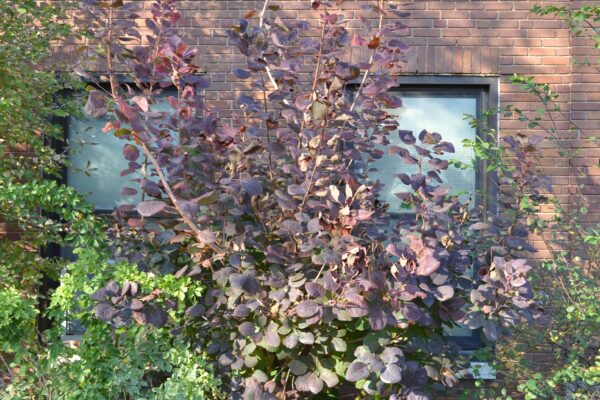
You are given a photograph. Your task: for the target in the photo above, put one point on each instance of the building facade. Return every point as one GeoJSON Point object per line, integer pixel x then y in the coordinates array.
{"type": "Point", "coordinates": [461, 57]}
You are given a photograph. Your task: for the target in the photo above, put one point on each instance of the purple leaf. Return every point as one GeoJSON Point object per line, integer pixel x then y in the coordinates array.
{"type": "Point", "coordinates": [151, 188]}
{"type": "Point", "coordinates": [427, 265]}
{"type": "Point", "coordinates": [142, 103]}
{"type": "Point", "coordinates": [245, 282]}
{"type": "Point", "coordinates": [391, 375]}
{"type": "Point", "coordinates": [309, 382]}
{"type": "Point", "coordinates": [152, 316]}
{"type": "Point", "coordinates": [131, 152]}
{"type": "Point", "coordinates": [474, 320]}
{"type": "Point", "coordinates": [490, 330]}
{"type": "Point", "coordinates": [429, 137]}
{"type": "Point", "coordinates": [241, 311]}
{"type": "Point", "coordinates": [296, 190]}
{"type": "Point", "coordinates": [444, 293]}
{"type": "Point", "coordinates": [411, 312]}
{"type": "Point", "coordinates": [150, 208]}
{"type": "Point", "coordinates": [241, 73]}
{"type": "Point", "coordinates": [252, 186]}
{"type": "Point", "coordinates": [291, 340]}
{"type": "Point", "coordinates": [357, 371]}
{"type": "Point", "coordinates": [95, 106]}
{"type": "Point", "coordinates": [271, 337]}
{"type": "Point", "coordinates": [307, 309]}
{"type": "Point", "coordinates": [247, 328]}
{"type": "Point", "coordinates": [443, 147]}
{"type": "Point", "coordinates": [297, 367]}
{"type": "Point", "coordinates": [207, 236]}
{"type": "Point", "coordinates": [104, 311]}
{"type": "Point", "coordinates": [314, 289]}
{"type": "Point", "coordinates": [136, 305]}
{"type": "Point", "coordinates": [438, 164]}
{"type": "Point", "coordinates": [195, 311]}
{"type": "Point", "coordinates": [407, 137]}
{"type": "Point", "coordinates": [127, 191]}
{"type": "Point", "coordinates": [302, 101]}
{"type": "Point", "coordinates": [314, 225]}
{"type": "Point", "coordinates": [284, 201]}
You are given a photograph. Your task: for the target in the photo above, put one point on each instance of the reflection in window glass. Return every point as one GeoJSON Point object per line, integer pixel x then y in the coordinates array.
{"type": "Point", "coordinates": [97, 161]}
{"type": "Point", "coordinates": [442, 113]}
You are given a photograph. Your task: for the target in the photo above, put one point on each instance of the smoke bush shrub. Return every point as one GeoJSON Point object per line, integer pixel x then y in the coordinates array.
{"type": "Point", "coordinates": [305, 284]}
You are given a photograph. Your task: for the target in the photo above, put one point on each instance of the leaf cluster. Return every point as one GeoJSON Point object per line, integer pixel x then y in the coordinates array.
{"type": "Point", "coordinates": [308, 281]}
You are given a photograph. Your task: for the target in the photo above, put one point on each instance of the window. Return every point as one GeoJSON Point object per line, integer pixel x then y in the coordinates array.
{"type": "Point", "coordinates": [97, 161]}
{"type": "Point", "coordinates": [438, 104]}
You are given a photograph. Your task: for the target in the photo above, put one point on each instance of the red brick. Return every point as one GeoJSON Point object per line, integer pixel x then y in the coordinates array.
{"type": "Point", "coordinates": [504, 5]}
{"type": "Point", "coordinates": [456, 32]}
{"type": "Point", "coordinates": [460, 23]}
{"type": "Point", "coordinates": [426, 32]}
{"type": "Point", "coordinates": [484, 15]}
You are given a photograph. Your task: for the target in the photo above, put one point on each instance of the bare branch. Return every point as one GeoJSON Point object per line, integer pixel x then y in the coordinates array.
{"type": "Point", "coordinates": [267, 69]}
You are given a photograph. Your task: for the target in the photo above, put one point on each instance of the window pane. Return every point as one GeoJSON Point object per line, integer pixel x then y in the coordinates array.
{"type": "Point", "coordinates": [442, 113]}
{"type": "Point", "coordinates": [435, 112]}
{"type": "Point", "coordinates": [97, 161]}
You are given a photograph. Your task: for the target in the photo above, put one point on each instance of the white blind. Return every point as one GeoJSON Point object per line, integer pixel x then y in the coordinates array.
{"type": "Point", "coordinates": [442, 113]}
{"type": "Point", "coordinates": [97, 161]}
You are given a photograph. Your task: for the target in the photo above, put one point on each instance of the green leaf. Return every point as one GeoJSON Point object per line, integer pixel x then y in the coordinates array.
{"type": "Point", "coordinates": [319, 110]}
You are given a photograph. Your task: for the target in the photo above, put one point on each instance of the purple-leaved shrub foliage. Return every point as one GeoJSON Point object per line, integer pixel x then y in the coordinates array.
{"type": "Point", "coordinates": [310, 284]}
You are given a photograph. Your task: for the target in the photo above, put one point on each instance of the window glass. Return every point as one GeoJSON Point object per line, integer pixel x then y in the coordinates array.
{"type": "Point", "coordinates": [435, 112]}
{"type": "Point", "coordinates": [441, 112]}
{"type": "Point", "coordinates": [97, 161]}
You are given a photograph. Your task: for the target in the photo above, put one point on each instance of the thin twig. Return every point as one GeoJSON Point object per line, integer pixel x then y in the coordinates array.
{"type": "Point", "coordinates": [367, 71]}
{"type": "Point", "coordinates": [114, 85]}
{"type": "Point", "coordinates": [266, 107]}
{"type": "Point", "coordinates": [172, 196]}
{"type": "Point", "coordinates": [316, 73]}
{"type": "Point", "coordinates": [267, 68]}
{"type": "Point", "coordinates": [8, 369]}
{"type": "Point", "coordinates": [371, 58]}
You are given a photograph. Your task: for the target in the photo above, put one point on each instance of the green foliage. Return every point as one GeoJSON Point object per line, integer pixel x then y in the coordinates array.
{"type": "Point", "coordinates": [582, 20]}
{"type": "Point", "coordinates": [17, 315]}
{"type": "Point", "coordinates": [568, 280]}
{"type": "Point", "coordinates": [140, 363]}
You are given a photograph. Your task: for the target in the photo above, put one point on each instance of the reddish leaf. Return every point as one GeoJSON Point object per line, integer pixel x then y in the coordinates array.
{"type": "Point", "coordinates": [307, 309]}
{"type": "Point", "coordinates": [150, 208]}
{"type": "Point", "coordinates": [131, 152]}
{"type": "Point", "coordinates": [374, 43]}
